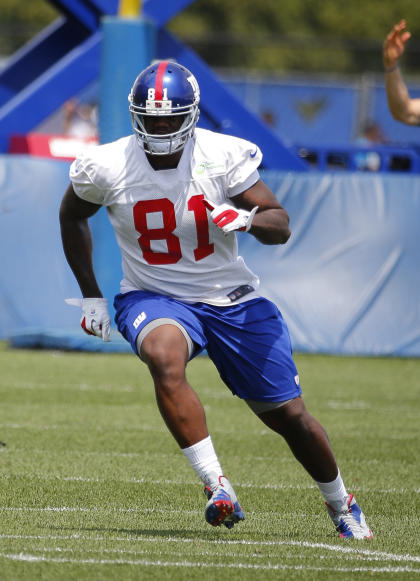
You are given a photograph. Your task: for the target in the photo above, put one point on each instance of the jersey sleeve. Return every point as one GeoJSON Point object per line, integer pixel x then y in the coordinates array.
{"type": "Point", "coordinates": [82, 177]}
{"type": "Point", "coordinates": [245, 157]}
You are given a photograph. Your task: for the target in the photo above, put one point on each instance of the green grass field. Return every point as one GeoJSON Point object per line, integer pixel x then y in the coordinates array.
{"type": "Point", "coordinates": [92, 486]}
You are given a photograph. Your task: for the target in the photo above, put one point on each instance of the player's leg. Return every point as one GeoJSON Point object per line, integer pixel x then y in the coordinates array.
{"type": "Point", "coordinates": [251, 348]}
{"type": "Point", "coordinates": [166, 351]}
{"type": "Point", "coordinates": [310, 445]}
{"type": "Point", "coordinates": [164, 335]}
{"type": "Point", "coordinates": [305, 436]}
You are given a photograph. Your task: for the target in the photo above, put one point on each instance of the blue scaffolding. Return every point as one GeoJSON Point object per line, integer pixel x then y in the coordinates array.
{"type": "Point", "coordinates": [65, 58]}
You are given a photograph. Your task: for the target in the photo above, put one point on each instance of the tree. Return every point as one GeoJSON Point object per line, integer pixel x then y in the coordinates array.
{"type": "Point", "coordinates": [333, 36]}
{"type": "Point", "coordinates": [323, 36]}
{"type": "Point", "coordinates": [21, 21]}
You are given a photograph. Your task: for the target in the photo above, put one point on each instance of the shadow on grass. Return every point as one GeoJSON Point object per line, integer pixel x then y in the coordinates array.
{"type": "Point", "coordinates": [187, 534]}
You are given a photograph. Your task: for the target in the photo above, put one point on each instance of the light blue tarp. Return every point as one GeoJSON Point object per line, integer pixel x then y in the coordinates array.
{"type": "Point", "coordinates": [34, 278]}
{"type": "Point", "coordinates": [347, 282]}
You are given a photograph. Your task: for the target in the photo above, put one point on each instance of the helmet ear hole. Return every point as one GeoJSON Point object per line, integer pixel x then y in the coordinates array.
{"type": "Point", "coordinates": [164, 89]}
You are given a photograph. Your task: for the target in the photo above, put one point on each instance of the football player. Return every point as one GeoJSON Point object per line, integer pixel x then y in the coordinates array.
{"type": "Point", "coordinates": [176, 196]}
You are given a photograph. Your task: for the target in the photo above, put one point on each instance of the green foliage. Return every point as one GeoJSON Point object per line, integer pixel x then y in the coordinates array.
{"type": "Point", "coordinates": [21, 21]}
{"type": "Point", "coordinates": [323, 36]}
{"type": "Point", "coordinates": [93, 487]}
{"type": "Point", "coordinates": [328, 36]}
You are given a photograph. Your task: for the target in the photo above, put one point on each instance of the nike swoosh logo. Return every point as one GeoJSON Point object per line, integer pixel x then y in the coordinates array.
{"type": "Point", "coordinates": [253, 154]}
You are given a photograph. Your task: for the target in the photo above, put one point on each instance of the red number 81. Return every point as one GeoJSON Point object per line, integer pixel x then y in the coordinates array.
{"type": "Point", "coordinates": [166, 208]}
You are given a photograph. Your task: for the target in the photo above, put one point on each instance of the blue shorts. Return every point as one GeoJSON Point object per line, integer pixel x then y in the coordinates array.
{"type": "Point", "coordinates": [249, 343]}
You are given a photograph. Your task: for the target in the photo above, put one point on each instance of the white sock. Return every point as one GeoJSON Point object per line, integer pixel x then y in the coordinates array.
{"type": "Point", "coordinates": [203, 460]}
{"type": "Point", "coordinates": [333, 491]}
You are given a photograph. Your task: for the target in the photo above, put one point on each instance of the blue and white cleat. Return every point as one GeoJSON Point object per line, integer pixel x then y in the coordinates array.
{"type": "Point", "coordinates": [222, 506]}
{"type": "Point", "coordinates": [349, 520]}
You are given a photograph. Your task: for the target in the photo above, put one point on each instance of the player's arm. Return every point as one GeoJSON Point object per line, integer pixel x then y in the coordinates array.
{"type": "Point", "coordinates": [77, 240]}
{"type": "Point", "coordinates": [77, 245]}
{"type": "Point", "coordinates": [270, 225]}
{"type": "Point", "coordinates": [401, 106]}
{"type": "Point", "coordinates": [256, 210]}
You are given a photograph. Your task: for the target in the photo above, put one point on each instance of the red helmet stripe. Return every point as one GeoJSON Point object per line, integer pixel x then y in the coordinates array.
{"type": "Point", "coordinates": [159, 80]}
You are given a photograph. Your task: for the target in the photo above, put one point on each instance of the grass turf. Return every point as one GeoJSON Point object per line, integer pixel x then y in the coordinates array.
{"type": "Point", "coordinates": [92, 486]}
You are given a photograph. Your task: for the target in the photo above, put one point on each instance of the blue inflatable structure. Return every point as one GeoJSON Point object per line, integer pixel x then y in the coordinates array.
{"type": "Point", "coordinates": [347, 282]}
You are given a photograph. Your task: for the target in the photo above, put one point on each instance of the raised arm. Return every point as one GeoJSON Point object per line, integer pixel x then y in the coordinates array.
{"type": "Point", "coordinates": [401, 106]}
{"type": "Point", "coordinates": [77, 240]}
{"type": "Point", "coordinates": [270, 224]}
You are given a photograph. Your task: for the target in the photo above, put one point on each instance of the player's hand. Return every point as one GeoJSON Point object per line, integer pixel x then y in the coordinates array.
{"type": "Point", "coordinates": [95, 317]}
{"type": "Point", "coordinates": [228, 218]}
{"type": "Point", "coordinates": [394, 44]}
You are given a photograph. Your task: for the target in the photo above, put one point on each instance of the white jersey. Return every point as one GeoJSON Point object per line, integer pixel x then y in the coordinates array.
{"type": "Point", "coordinates": [169, 243]}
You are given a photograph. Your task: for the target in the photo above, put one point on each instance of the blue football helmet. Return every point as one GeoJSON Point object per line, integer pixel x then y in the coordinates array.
{"type": "Point", "coordinates": [164, 88]}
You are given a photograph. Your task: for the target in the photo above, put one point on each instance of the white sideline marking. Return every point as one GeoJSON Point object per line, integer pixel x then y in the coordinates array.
{"type": "Point", "coordinates": [72, 426]}
{"type": "Point", "coordinates": [147, 563]}
{"type": "Point", "coordinates": [208, 552]}
{"type": "Point", "coordinates": [194, 482]}
{"type": "Point", "coordinates": [136, 428]}
{"type": "Point", "coordinates": [106, 509]}
{"type": "Point", "coordinates": [302, 544]}
{"type": "Point", "coordinates": [169, 482]}
{"type": "Point", "coordinates": [71, 386]}
{"type": "Point", "coordinates": [348, 405]}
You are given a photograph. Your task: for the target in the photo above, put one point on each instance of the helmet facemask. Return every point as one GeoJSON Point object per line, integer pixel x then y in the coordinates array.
{"type": "Point", "coordinates": [164, 89]}
{"type": "Point", "coordinates": [163, 144]}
